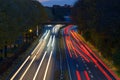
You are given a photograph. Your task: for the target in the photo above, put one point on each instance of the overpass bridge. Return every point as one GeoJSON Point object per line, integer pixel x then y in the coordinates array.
{"type": "Point", "coordinates": [57, 22]}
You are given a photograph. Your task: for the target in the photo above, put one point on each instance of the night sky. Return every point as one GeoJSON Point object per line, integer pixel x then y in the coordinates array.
{"type": "Point", "coordinates": [56, 2]}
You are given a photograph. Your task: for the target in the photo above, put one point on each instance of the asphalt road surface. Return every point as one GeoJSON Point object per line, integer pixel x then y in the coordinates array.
{"type": "Point", "coordinates": [62, 54]}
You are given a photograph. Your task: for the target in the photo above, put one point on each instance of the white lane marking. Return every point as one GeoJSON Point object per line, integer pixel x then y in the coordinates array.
{"type": "Point", "coordinates": [96, 66]}
{"type": "Point", "coordinates": [39, 65]}
{"type": "Point", "coordinates": [77, 65]}
{"type": "Point", "coordinates": [53, 42]}
{"type": "Point", "coordinates": [49, 42]}
{"type": "Point", "coordinates": [83, 61]}
{"type": "Point", "coordinates": [48, 65]}
{"type": "Point", "coordinates": [89, 71]}
{"type": "Point", "coordinates": [91, 76]}
{"type": "Point", "coordinates": [86, 65]}
{"type": "Point", "coordinates": [47, 35]}
{"type": "Point", "coordinates": [44, 34]}
{"type": "Point", "coordinates": [87, 68]}
{"type": "Point", "coordinates": [27, 68]}
{"type": "Point", "coordinates": [20, 68]}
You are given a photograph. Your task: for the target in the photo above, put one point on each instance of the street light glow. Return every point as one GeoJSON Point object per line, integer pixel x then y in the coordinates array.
{"type": "Point", "coordinates": [30, 30]}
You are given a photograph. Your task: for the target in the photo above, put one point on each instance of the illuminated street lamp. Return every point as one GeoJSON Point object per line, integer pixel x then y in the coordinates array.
{"type": "Point", "coordinates": [30, 30]}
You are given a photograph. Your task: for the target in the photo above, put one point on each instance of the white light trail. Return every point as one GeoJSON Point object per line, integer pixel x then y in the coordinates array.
{"type": "Point", "coordinates": [27, 68]}
{"type": "Point", "coordinates": [47, 35]}
{"type": "Point", "coordinates": [50, 40]}
{"type": "Point", "coordinates": [25, 61]}
{"type": "Point", "coordinates": [53, 42]}
{"type": "Point", "coordinates": [39, 66]}
{"type": "Point", "coordinates": [44, 78]}
{"type": "Point", "coordinates": [20, 68]}
{"type": "Point", "coordinates": [29, 65]}
{"type": "Point", "coordinates": [43, 35]}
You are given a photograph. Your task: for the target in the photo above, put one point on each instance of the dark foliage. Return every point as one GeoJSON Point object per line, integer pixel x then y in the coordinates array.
{"type": "Point", "coordinates": [17, 16]}
{"type": "Point", "coordinates": [99, 21]}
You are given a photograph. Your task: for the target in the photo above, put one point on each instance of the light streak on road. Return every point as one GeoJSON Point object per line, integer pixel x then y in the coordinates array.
{"type": "Point", "coordinates": [36, 51]}
{"type": "Point", "coordinates": [30, 64]}
{"type": "Point", "coordinates": [39, 66]}
{"type": "Point", "coordinates": [78, 75]}
{"type": "Point", "coordinates": [47, 35]}
{"type": "Point", "coordinates": [43, 35]}
{"type": "Point", "coordinates": [53, 42]}
{"type": "Point", "coordinates": [86, 75]}
{"type": "Point", "coordinates": [48, 45]}
{"type": "Point", "coordinates": [36, 47]}
{"type": "Point", "coordinates": [20, 68]}
{"type": "Point", "coordinates": [77, 53]}
{"type": "Point", "coordinates": [76, 44]}
{"type": "Point", "coordinates": [21, 78]}
{"type": "Point", "coordinates": [94, 60]}
{"type": "Point", "coordinates": [50, 40]}
{"type": "Point", "coordinates": [44, 78]}
{"type": "Point", "coordinates": [49, 60]}
{"type": "Point", "coordinates": [25, 61]}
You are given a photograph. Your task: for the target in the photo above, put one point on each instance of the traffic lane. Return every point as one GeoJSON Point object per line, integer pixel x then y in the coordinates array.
{"type": "Point", "coordinates": [50, 73]}
{"type": "Point", "coordinates": [105, 70]}
{"type": "Point", "coordinates": [79, 63]}
{"type": "Point", "coordinates": [71, 63]}
{"type": "Point", "coordinates": [65, 71]}
{"type": "Point", "coordinates": [81, 67]}
{"type": "Point", "coordinates": [42, 69]}
{"type": "Point", "coordinates": [81, 71]}
{"type": "Point", "coordinates": [74, 57]}
{"type": "Point", "coordinates": [43, 49]}
{"type": "Point", "coordinates": [22, 70]}
{"type": "Point", "coordinates": [91, 71]}
{"type": "Point", "coordinates": [37, 47]}
{"type": "Point", "coordinates": [95, 73]}
{"type": "Point", "coordinates": [97, 64]}
{"type": "Point", "coordinates": [86, 56]}
{"type": "Point", "coordinates": [72, 66]}
{"type": "Point", "coordinates": [91, 57]}
{"type": "Point", "coordinates": [73, 54]}
{"type": "Point", "coordinates": [66, 56]}
{"type": "Point", "coordinates": [55, 62]}
{"type": "Point", "coordinates": [30, 73]}
{"type": "Point", "coordinates": [28, 62]}
{"type": "Point", "coordinates": [79, 51]}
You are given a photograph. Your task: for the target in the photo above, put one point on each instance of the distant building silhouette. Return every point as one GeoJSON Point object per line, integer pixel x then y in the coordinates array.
{"type": "Point", "coordinates": [59, 13]}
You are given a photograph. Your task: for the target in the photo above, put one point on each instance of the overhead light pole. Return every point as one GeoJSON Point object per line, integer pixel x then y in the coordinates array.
{"type": "Point", "coordinates": [37, 31]}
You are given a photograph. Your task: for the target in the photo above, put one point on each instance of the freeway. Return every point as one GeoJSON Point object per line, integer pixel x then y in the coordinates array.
{"type": "Point", "coordinates": [39, 64]}
{"type": "Point", "coordinates": [62, 54]}
{"type": "Point", "coordinates": [83, 64]}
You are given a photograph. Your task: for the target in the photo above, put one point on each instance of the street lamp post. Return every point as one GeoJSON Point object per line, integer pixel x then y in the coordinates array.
{"type": "Point", "coordinates": [37, 31]}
